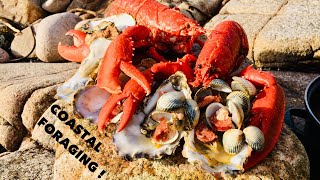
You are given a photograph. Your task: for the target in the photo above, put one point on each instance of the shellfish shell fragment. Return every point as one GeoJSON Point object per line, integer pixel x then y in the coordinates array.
{"type": "Point", "coordinates": [171, 101]}
{"type": "Point", "coordinates": [254, 137]}
{"type": "Point", "coordinates": [232, 141]}
{"type": "Point", "coordinates": [241, 84]}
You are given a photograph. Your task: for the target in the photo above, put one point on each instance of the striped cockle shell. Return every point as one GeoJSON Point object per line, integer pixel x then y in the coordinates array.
{"type": "Point", "coordinates": [192, 114]}
{"type": "Point", "coordinates": [171, 101]}
{"type": "Point", "coordinates": [220, 85]}
{"type": "Point", "coordinates": [242, 99]}
{"type": "Point", "coordinates": [237, 115]}
{"type": "Point", "coordinates": [232, 141]}
{"type": "Point", "coordinates": [241, 84]}
{"type": "Point", "coordinates": [254, 137]}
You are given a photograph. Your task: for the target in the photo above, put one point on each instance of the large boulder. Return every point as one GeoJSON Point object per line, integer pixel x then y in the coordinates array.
{"type": "Point", "coordinates": [22, 11]}
{"type": "Point", "coordinates": [18, 83]}
{"type": "Point", "coordinates": [50, 32]}
{"type": "Point", "coordinates": [34, 163]}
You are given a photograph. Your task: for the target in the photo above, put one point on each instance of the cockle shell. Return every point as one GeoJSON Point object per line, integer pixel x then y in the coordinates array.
{"type": "Point", "coordinates": [242, 99]}
{"type": "Point", "coordinates": [241, 84]}
{"type": "Point", "coordinates": [237, 115]}
{"type": "Point", "coordinates": [192, 114]}
{"type": "Point", "coordinates": [171, 101]}
{"type": "Point", "coordinates": [220, 85]}
{"type": "Point", "coordinates": [211, 110]}
{"type": "Point", "coordinates": [254, 137]}
{"type": "Point", "coordinates": [232, 141]}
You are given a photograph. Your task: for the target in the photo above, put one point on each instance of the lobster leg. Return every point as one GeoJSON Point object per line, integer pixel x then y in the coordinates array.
{"type": "Point", "coordinates": [77, 52]}
{"type": "Point", "coordinates": [129, 108]}
{"type": "Point", "coordinates": [267, 111]}
{"type": "Point", "coordinates": [105, 112]}
{"type": "Point", "coordinates": [136, 75]}
{"type": "Point", "coordinates": [119, 57]}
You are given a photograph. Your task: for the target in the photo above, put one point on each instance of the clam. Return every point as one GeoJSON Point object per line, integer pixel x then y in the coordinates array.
{"type": "Point", "coordinates": [206, 95]}
{"type": "Point", "coordinates": [179, 83]}
{"type": "Point", "coordinates": [220, 85]}
{"type": "Point", "coordinates": [192, 114]}
{"type": "Point", "coordinates": [241, 84]}
{"type": "Point", "coordinates": [212, 109]}
{"type": "Point", "coordinates": [242, 99]}
{"type": "Point", "coordinates": [254, 137]}
{"type": "Point", "coordinates": [171, 101]}
{"type": "Point", "coordinates": [170, 136]}
{"type": "Point", "coordinates": [237, 115]}
{"type": "Point", "coordinates": [232, 141]}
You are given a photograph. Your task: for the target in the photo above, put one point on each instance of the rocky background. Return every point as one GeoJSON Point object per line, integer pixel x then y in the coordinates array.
{"type": "Point", "coordinates": [282, 34]}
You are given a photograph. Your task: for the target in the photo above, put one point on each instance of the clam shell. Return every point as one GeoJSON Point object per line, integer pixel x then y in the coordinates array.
{"type": "Point", "coordinates": [160, 115]}
{"type": "Point", "coordinates": [179, 82]}
{"type": "Point", "coordinates": [232, 141]}
{"type": "Point", "coordinates": [212, 109]}
{"type": "Point", "coordinates": [242, 99]}
{"type": "Point", "coordinates": [171, 101]}
{"type": "Point", "coordinates": [237, 113]}
{"type": "Point", "coordinates": [254, 137]}
{"type": "Point", "coordinates": [241, 84]}
{"type": "Point", "coordinates": [220, 85]}
{"type": "Point", "coordinates": [192, 114]}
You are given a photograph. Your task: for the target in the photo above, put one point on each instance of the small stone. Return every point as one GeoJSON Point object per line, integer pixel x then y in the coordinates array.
{"type": "Point", "coordinates": [51, 31]}
{"type": "Point", "coordinates": [94, 5]}
{"type": "Point", "coordinates": [4, 56]}
{"type": "Point", "coordinates": [23, 44]}
{"type": "Point", "coordinates": [55, 6]}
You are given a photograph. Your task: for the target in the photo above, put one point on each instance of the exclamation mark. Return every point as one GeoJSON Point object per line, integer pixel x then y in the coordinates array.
{"type": "Point", "coordinates": [102, 173]}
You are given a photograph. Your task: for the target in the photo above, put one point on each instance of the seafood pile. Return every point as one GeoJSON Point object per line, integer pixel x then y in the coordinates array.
{"type": "Point", "coordinates": [138, 70]}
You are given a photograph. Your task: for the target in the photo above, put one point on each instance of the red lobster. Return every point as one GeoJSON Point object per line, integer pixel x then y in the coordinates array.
{"type": "Point", "coordinates": [267, 111]}
{"type": "Point", "coordinates": [169, 26]}
{"type": "Point", "coordinates": [135, 93]}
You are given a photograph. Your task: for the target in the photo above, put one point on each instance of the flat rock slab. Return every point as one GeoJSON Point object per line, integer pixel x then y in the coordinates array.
{"type": "Point", "coordinates": [286, 37]}
{"type": "Point", "coordinates": [279, 164]}
{"type": "Point", "coordinates": [251, 23]}
{"type": "Point", "coordinates": [18, 83]}
{"type": "Point", "coordinates": [34, 163]}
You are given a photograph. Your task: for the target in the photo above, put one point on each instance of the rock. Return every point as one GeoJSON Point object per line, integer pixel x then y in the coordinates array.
{"type": "Point", "coordinates": [56, 6]}
{"type": "Point", "coordinates": [4, 56]}
{"type": "Point", "coordinates": [199, 10]}
{"type": "Point", "coordinates": [251, 23]}
{"type": "Point", "coordinates": [32, 163]}
{"type": "Point", "coordinates": [265, 7]}
{"type": "Point", "coordinates": [281, 163]}
{"type": "Point", "coordinates": [18, 82]}
{"type": "Point", "coordinates": [24, 43]}
{"type": "Point", "coordinates": [296, 7]}
{"type": "Point", "coordinates": [94, 5]}
{"type": "Point", "coordinates": [22, 11]}
{"type": "Point", "coordinates": [51, 31]}
{"type": "Point", "coordinates": [287, 41]}
{"type": "Point", "coordinates": [28, 143]}
{"type": "Point", "coordinates": [39, 101]}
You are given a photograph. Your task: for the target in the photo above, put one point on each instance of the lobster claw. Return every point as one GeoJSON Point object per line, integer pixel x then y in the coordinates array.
{"type": "Point", "coordinates": [77, 52]}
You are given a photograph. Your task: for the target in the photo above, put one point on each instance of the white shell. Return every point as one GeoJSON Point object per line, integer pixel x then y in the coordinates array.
{"type": "Point", "coordinates": [212, 109]}
{"type": "Point", "coordinates": [254, 137]}
{"type": "Point", "coordinates": [223, 162]}
{"type": "Point", "coordinates": [121, 22]}
{"type": "Point", "coordinates": [237, 115]}
{"type": "Point", "coordinates": [130, 143]}
{"type": "Point", "coordinates": [233, 141]}
{"type": "Point", "coordinates": [89, 101]}
{"type": "Point", "coordinates": [82, 76]}
{"type": "Point", "coordinates": [170, 101]}
{"type": "Point", "coordinates": [241, 84]}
